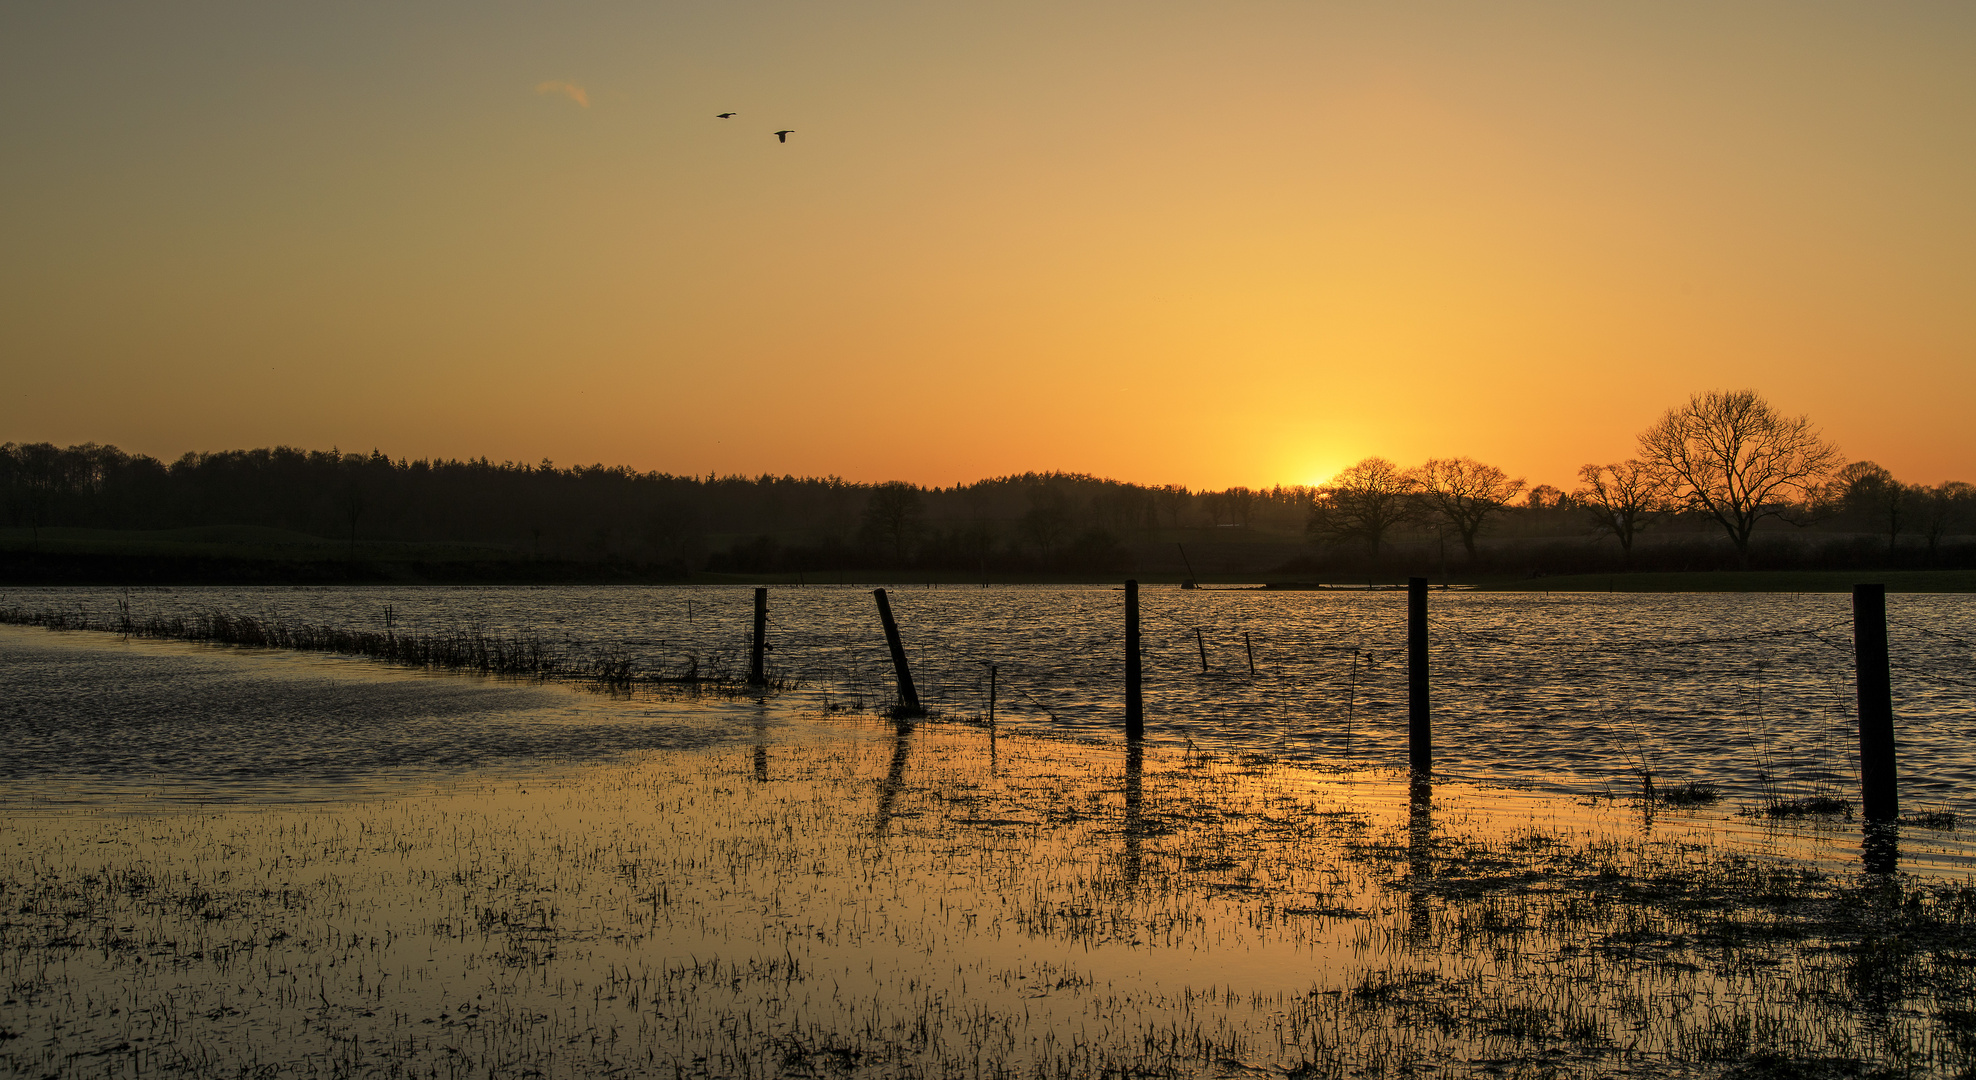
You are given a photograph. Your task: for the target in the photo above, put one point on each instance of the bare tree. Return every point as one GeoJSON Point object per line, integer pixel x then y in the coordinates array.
{"type": "Point", "coordinates": [1623, 498]}
{"type": "Point", "coordinates": [1364, 503]}
{"type": "Point", "coordinates": [1730, 455]}
{"type": "Point", "coordinates": [1463, 492]}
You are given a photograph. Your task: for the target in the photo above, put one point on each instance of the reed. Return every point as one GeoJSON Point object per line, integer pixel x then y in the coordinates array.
{"type": "Point", "coordinates": [460, 649]}
{"type": "Point", "coordinates": [1695, 793]}
{"type": "Point", "coordinates": [908, 900]}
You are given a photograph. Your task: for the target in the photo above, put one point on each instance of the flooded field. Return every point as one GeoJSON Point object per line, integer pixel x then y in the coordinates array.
{"type": "Point", "coordinates": [227, 862]}
{"type": "Point", "coordinates": [94, 719]}
{"type": "Point", "coordinates": [1581, 693]}
{"type": "Point", "coordinates": [925, 901]}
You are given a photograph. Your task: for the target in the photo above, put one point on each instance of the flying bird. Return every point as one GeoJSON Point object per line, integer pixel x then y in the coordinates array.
{"type": "Point", "coordinates": [725, 115]}
{"type": "Point", "coordinates": [783, 135]}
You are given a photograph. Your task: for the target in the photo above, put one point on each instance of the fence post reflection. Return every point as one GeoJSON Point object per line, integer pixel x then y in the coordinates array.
{"type": "Point", "coordinates": [1135, 763]}
{"type": "Point", "coordinates": [761, 743]}
{"type": "Point", "coordinates": [895, 774]}
{"type": "Point", "coordinates": [1880, 847]}
{"type": "Point", "coordinates": [1420, 856]}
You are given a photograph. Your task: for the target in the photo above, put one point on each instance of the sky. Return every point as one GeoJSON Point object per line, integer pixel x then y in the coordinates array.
{"type": "Point", "coordinates": [1210, 244]}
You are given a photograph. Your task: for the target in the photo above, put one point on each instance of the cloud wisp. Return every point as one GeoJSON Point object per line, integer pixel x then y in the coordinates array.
{"type": "Point", "coordinates": [568, 89]}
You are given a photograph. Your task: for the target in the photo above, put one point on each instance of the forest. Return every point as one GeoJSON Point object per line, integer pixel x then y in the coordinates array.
{"type": "Point", "coordinates": [1788, 502]}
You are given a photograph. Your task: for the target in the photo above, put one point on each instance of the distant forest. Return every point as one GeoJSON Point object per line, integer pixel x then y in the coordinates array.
{"type": "Point", "coordinates": [1446, 516]}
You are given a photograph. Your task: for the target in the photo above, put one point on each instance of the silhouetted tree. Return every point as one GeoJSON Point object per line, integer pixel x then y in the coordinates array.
{"type": "Point", "coordinates": [1121, 509]}
{"type": "Point", "coordinates": [1171, 500]}
{"type": "Point", "coordinates": [1047, 523]}
{"type": "Point", "coordinates": [1216, 504]}
{"type": "Point", "coordinates": [892, 518]}
{"type": "Point", "coordinates": [1869, 493]}
{"type": "Point", "coordinates": [1363, 503]}
{"type": "Point", "coordinates": [1095, 550]}
{"type": "Point", "coordinates": [1731, 456]}
{"type": "Point", "coordinates": [1241, 504]}
{"type": "Point", "coordinates": [36, 481]}
{"type": "Point", "coordinates": [1463, 493]}
{"type": "Point", "coordinates": [1544, 497]}
{"type": "Point", "coordinates": [1622, 499]}
{"type": "Point", "coordinates": [1944, 509]}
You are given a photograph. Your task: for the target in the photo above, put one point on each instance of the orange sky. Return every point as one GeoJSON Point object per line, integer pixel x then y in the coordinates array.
{"type": "Point", "coordinates": [1207, 244]}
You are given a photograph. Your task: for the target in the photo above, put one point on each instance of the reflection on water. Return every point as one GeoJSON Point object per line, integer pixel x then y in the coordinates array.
{"type": "Point", "coordinates": [1880, 847]}
{"type": "Point", "coordinates": [669, 916]}
{"type": "Point", "coordinates": [761, 743]}
{"type": "Point", "coordinates": [1135, 798]}
{"type": "Point", "coordinates": [1420, 856]}
{"type": "Point", "coordinates": [1578, 692]}
{"type": "Point", "coordinates": [895, 775]}
{"type": "Point", "coordinates": [86, 718]}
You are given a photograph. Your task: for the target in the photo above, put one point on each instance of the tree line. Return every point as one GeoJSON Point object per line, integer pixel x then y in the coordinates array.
{"type": "Point", "coordinates": [598, 513]}
{"type": "Point", "coordinates": [1727, 460]}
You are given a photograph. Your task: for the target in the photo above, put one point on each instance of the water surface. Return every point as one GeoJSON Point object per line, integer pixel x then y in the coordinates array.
{"type": "Point", "coordinates": [1577, 692]}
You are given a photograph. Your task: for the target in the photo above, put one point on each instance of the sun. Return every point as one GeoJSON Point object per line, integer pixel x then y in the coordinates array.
{"type": "Point", "coordinates": [1318, 473]}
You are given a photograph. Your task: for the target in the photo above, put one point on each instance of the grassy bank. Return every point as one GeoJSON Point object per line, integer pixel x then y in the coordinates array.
{"type": "Point", "coordinates": [871, 899]}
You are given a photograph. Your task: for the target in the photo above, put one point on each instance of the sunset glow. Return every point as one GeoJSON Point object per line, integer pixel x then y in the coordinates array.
{"type": "Point", "coordinates": [1210, 245]}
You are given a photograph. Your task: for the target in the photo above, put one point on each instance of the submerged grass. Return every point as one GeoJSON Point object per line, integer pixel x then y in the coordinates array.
{"type": "Point", "coordinates": [892, 899]}
{"type": "Point", "coordinates": [463, 649]}
{"type": "Point", "coordinates": [1694, 793]}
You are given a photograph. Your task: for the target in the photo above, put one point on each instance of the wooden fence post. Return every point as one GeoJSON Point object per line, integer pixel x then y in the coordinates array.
{"type": "Point", "coordinates": [1135, 708]}
{"type": "Point", "coordinates": [1201, 643]}
{"type": "Point", "coordinates": [1420, 725]}
{"type": "Point", "coordinates": [1879, 800]}
{"type": "Point", "coordinates": [756, 676]}
{"type": "Point", "coordinates": [908, 695]}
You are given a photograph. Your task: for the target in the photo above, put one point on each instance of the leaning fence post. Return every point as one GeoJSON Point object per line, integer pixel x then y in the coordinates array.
{"type": "Point", "coordinates": [908, 696]}
{"type": "Point", "coordinates": [755, 674]}
{"type": "Point", "coordinates": [1879, 800]}
{"type": "Point", "coordinates": [1135, 708]}
{"type": "Point", "coordinates": [1201, 643]}
{"type": "Point", "coordinates": [1420, 727]}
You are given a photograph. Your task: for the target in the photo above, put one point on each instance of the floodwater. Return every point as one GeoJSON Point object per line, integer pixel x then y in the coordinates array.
{"type": "Point", "coordinates": [930, 901]}
{"type": "Point", "coordinates": [92, 718]}
{"type": "Point", "coordinates": [1572, 692]}
{"type": "Point", "coordinates": [232, 861]}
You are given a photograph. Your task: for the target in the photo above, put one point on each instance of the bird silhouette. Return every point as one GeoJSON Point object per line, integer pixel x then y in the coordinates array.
{"type": "Point", "coordinates": [783, 135]}
{"type": "Point", "coordinates": [725, 115]}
